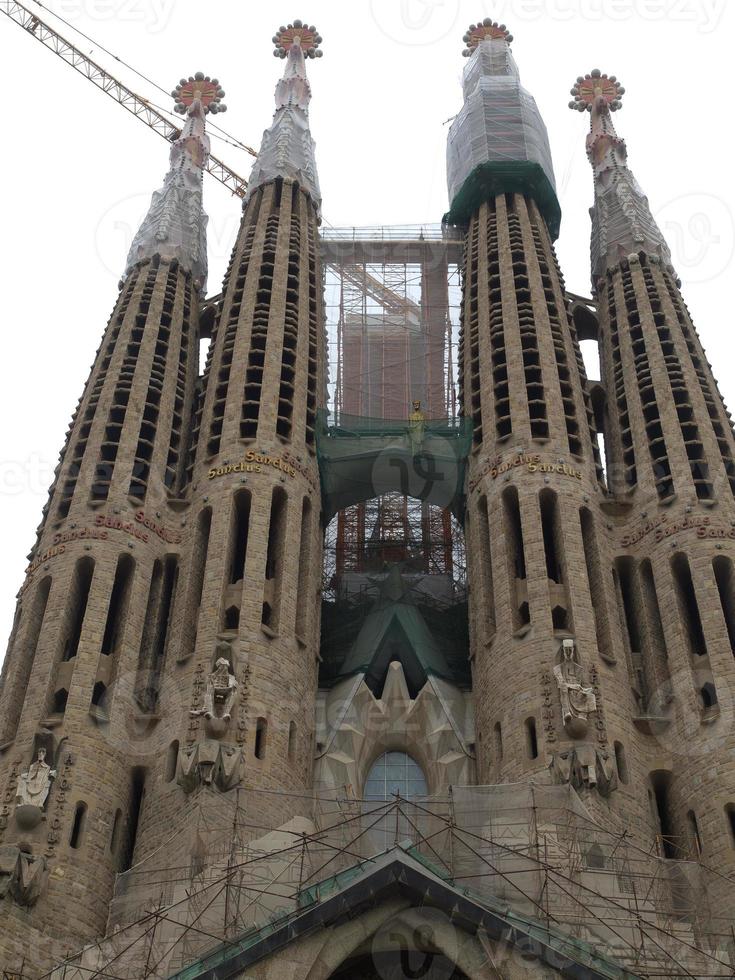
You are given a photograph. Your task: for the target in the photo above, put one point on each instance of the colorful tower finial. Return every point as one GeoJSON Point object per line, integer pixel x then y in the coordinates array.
{"type": "Point", "coordinates": [622, 223]}
{"type": "Point", "coordinates": [487, 30]}
{"type": "Point", "coordinates": [298, 33]}
{"type": "Point", "coordinates": [287, 149]}
{"type": "Point", "coordinates": [200, 86]}
{"type": "Point", "coordinates": [589, 88]}
{"type": "Point", "coordinates": [176, 225]}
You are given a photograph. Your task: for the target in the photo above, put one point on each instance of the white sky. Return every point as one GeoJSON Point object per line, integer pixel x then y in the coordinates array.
{"type": "Point", "coordinates": [78, 171]}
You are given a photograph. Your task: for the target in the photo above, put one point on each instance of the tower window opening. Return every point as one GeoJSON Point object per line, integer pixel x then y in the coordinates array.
{"type": "Point", "coordinates": [596, 582]}
{"type": "Point", "coordinates": [302, 595]}
{"type": "Point", "coordinates": [621, 763]}
{"type": "Point", "coordinates": [117, 609]}
{"type": "Point", "coordinates": [558, 315]}
{"type": "Point", "coordinates": [291, 739]}
{"type": "Point", "coordinates": [730, 815]}
{"type": "Point", "coordinates": [240, 532]}
{"type": "Point", "coordinates": [486, 565]}
{"type": "Point", "coordinates": [232, 618]}
{"type": "Point", "coordinates": [315, 325]}
{"type": "Point", "coordinates": [655, 657]}
{"type": "Point", "coordinates": [78, 826]}
{"type": "Point", "coordinates": [172, 759]}
{"type": "Point", "coordinates": [196, 586]}
{"type": "Point", "coordinates": [137, 795]}
{"type": "Point", "coordinates": [531, 738]}
{"type": "Point", "coordinates": [694, 832]}
{"type": "Point", "coordinates": [274, 559]}
{"type": "Point", "coordinates": [59, 702]}
{"type": "Point", "coordinates": [498, 742]}
{"type": "Point", "coordinates": [78, 598]}
{"type": "Point", "coordinates": [99, 696]}
{"type": "Point", "coordinates": [261, 735]}
{"type": "Point", "coordinates": [516, 556]}
{"type": "Point", "coordinates": [708, 694]}
{"type": "Point", "coordinates": [626, 581]}
{"type": "Point", "coordinates": [156, 631]}
{"type": "Point", "coordinates": [688, 606]}
{"type": "Point", "coordinates": [722, 568]}
{"type": "Point", "coordinates": [661, 783]}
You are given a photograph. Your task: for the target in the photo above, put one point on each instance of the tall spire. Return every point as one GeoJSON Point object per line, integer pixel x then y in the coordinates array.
{"type": "Point", "coordinates": [622, 222]}
{"type": "Point", "coordinates": [176, 225]}
{"type": "Point", "coordinates": [498, 142]}
{"type": "Point", "coordinates": [287, 149]}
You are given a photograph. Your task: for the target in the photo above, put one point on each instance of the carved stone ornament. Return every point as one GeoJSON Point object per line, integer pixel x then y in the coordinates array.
{"type": "Point", "coordinates": [220, 692]}
{"type": "Point", "coordinates": [32, 791]}
{"type": "Point", "coordinates": [585, 767]}
{"type": "Point", "coordinates": [209, 763]}
{"type": "Point", "coordinates": [23, 877]}
{"type": "Point", "coordinates": [578, 702]}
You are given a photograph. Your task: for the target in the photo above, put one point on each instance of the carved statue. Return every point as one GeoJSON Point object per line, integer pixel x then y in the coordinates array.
{"type": "Point", "coordinates": [585, 767]}
{"type": "Point", "coordinates": [220, 694]}
{"type": "Point", "coordinates": [22, 876]}
{"type": "Point", "coordinates": [209, 763]}
{"type": "Point", "coordinates": [34, 785]}
{"type": "Point", "coordinates": [577, 701]}
{"type": "Point", "coordinates": [416, 428]}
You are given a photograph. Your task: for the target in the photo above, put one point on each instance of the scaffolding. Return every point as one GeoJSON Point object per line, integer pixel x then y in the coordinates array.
{"type": "Point", "coordinates": [531, 854]}
{"type": "Point", "coordinates": [393, 301]}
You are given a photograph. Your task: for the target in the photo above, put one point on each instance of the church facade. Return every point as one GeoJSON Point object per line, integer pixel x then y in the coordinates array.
{"type": "Point", "coordinates": [208, 770]}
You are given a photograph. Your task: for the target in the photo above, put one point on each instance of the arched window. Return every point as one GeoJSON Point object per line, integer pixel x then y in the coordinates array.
{"type": "Point", "coordinates": [395, 772]}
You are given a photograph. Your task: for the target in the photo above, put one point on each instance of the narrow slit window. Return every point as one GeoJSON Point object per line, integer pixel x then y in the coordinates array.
{"type": "Point", "coordinates": [261, 735]}
{"type": "Point", "coordinates": [117, 609]}
{"type": "Point", "coordinates": [78, 826]}
{"type": "Point", "coordinates": [78, 598]}
{"type": "Point", "coordinates": [688, 605]}
{"type": "Point", "coordinates": [304, 558]}
{"type": "Point", "coordinates": [274, 559]}
{"type": "Point", "coordinates": [240, 532]}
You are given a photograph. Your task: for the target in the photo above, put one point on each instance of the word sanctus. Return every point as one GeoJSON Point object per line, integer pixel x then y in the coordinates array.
{"type": "Point", "coordinates": [255, 462]}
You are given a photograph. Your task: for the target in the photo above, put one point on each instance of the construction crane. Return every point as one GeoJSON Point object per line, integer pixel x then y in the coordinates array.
{"type": "Point", "coordinates": [140, 107]}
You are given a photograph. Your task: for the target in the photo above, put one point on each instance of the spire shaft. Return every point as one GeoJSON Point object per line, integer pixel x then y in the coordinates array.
{"type": "Point", "coordinates": [287, 149]}
{"type": "Point", "coordinates": [176, 224]}
{"type": "Point", "coordinates": [622, 222]}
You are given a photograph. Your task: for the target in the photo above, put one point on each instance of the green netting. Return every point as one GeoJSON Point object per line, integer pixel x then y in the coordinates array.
{"type": "Point", "coordinates": [488, 180]}
{"type": "Point", "coordinates": [431, 638]}
{"type": "Point", "coordinates": [361, 458]}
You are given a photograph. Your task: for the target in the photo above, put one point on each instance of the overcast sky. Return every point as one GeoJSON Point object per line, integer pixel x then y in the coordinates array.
{"type": "Point", "coordinates": [77, 171]}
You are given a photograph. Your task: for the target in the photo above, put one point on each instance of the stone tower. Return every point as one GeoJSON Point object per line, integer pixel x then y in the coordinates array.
{"type": "Point", "coordinates": [248, 593]}
{"type": "Point", "coordinates": [89, 643]}
{"type": "Point", "coordinates": [534, 487]}
{"type": "Point", "coordinates": [670, 464]}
